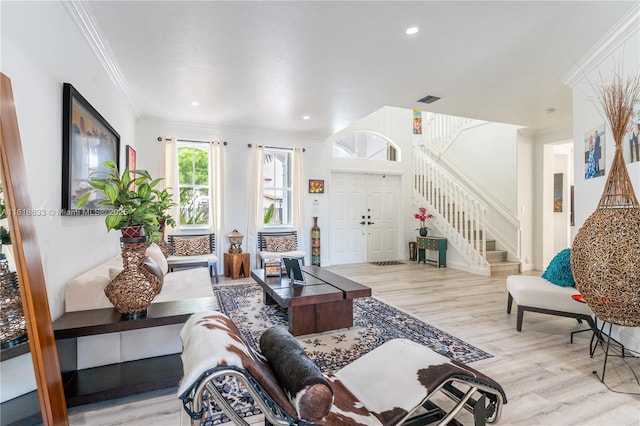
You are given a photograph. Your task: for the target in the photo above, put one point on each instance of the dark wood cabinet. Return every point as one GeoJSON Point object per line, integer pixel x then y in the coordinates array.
{"type": "Point", "coordinates": [126, 378]}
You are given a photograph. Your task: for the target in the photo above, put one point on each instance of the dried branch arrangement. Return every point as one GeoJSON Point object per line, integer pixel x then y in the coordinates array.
{"type": "Point", "coordinates": [617, 100]}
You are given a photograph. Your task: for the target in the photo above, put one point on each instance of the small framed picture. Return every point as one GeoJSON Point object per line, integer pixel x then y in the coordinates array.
{"type": "Point", "coordinates": [316, 186]}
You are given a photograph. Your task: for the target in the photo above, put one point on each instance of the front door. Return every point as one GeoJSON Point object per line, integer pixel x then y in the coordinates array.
{"type": "Point", "coordinates": [364, 217]}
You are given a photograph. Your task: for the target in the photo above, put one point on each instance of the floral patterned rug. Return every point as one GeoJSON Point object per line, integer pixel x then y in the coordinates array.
{"type": "Point", "coordinates": [375, 322]}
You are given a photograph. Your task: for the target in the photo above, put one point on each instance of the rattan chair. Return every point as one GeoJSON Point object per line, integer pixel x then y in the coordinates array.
{"type": "Point", "coordinates": [264, 253]}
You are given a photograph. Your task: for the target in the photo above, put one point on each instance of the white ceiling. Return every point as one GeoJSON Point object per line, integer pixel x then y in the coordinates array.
{"type": "Point", "coordinates": [263, 65]}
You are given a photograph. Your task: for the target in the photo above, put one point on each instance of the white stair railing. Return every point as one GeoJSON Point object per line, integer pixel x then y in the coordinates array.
{"type": "Point", "coordinates": [439, 130]}
{"type": "Point", "coordinates": [458, 214]}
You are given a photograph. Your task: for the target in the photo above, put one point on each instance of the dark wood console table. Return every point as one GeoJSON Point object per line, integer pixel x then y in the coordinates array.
{"type": "Point", "coordinates": [126, 378]}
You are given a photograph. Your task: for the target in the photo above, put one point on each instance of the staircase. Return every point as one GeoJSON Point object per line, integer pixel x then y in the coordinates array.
{"type": "Point", "coordinates": [459, 213]}
{"type": "Point", "coordinates": [498, 263]}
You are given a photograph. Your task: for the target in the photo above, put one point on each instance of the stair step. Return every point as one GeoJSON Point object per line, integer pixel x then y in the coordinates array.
{"type": "Point", "coordinates": [504, 269]}
{"type": "Point", "coordinates": [496, 256]}
{"type": "Point", "coordinates": [490, 245]}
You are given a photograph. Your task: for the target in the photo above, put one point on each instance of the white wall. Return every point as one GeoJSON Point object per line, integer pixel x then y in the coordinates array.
{"type": "Point", "coordinates": [238, 185]}
{"type": "Point", "coordinates": [525, 202]}
{"type": "Point", "coordinates": [41, 49]}
{"type": "Point", "coordinates": [477, 150]}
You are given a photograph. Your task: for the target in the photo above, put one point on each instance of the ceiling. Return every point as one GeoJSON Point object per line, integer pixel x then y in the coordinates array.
{"type": "Point", "coordinates": [264, 65]}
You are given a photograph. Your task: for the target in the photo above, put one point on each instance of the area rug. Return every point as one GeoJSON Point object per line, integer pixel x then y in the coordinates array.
{"type": "Point", "coordinates": [375, 322]}
{"type": "Point", "coordinates": [387, 263]}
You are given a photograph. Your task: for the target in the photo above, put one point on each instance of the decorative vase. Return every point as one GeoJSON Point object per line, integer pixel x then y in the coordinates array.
{"type": "Point", "coordinates": [606, 251]}
{"type": "Point", "coordinates": [165, 247]}
{"type": "Point", "coordinates": [315, 242]}
{"type": "Point", "coordinates": [133, 289]}
{"type": "Point", "coordinates": [423, 232]}
{"type": "Point", "coordinates": [13, 328]}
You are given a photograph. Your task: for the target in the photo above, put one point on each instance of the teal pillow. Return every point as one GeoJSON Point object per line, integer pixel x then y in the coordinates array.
{"type": "Point", "coordinates": [559, 270]}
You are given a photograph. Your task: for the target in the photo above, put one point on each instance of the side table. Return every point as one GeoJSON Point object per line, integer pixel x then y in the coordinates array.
{"type": "Point", "coordinates": [236, 264]}
{"type": "Point", "coordinates": [438, 244]}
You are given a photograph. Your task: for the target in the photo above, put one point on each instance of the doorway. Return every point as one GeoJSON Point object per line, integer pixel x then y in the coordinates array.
{"type": "Point", "coordinates": [364, 217]}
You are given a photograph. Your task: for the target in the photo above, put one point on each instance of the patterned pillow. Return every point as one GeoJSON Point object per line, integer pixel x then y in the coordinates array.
{"type": "Point", "coordinates": [191, 246]}
{"type": "Point", "coordinates": [280, 244]}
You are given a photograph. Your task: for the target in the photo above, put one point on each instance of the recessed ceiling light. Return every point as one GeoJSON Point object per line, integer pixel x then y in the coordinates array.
{"type": "Point", "coordinates": [306, 117]}
{"type": "Point", "coordinates": [411, 30]}
{"type": "Point", "coordinates": [195, 103]}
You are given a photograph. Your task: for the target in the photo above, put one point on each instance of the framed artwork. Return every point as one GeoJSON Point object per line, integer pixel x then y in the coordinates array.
{"type": "Point", "coordinates": [316, 186]}
{"type": "Point", "coordinates": [131, 159]}
{"type": "Point", "coordinates": [594, 150]}
{"type": "Point", "coordinates": [417, 122]}
{"type": "Point", "coordinates": [88, 140]}
{"type": "Point", "coordinates": [630, 146]}
{"type": "Point", "coordinates": [557, 192]}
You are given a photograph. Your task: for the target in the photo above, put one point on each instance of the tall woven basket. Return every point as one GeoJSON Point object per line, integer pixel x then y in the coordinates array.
{"type": "Point", "coordinates": [605, 257]}
{"type": "Point", "coordinates": [133, 289]}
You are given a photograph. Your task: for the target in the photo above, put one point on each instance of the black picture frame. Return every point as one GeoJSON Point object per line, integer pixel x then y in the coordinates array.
{"type": "Point", "coordinates": [293, 265]}
{"type": "Point", "coordinates": [87, 141]}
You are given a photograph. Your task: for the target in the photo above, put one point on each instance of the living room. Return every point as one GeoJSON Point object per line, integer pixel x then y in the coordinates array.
{"type": "Point", "coordinates": [39, 63]}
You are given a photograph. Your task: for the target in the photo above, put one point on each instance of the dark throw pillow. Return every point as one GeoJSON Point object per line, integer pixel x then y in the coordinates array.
{"type": "Point", "coordinates": [559, 270]}
{"type": "Point", "coordinates": [308, 390]}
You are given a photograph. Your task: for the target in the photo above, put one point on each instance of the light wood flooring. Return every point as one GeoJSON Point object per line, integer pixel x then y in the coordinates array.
{"type": "Point", "coordinates": [548, 380]}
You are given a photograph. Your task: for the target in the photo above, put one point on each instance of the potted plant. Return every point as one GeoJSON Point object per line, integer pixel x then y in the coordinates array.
{"type": "Point", "coordinates": [132, 197]}
{"type": "Point", "coordinates": [161, 205]}
{"type": "Point", "coordinates": [422, 216]}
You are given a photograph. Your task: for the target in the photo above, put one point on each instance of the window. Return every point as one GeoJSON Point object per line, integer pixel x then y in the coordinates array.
{"type": "Point", "coordinates": [193, 183]}
{"type": "Point", "coordinates": [365, 145]}
{"type": "Point", "coordinates": [277, 187]}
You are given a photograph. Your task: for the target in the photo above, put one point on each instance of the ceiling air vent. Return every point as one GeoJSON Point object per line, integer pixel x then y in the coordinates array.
{"type": "Point", "coordinates": [429, 99]}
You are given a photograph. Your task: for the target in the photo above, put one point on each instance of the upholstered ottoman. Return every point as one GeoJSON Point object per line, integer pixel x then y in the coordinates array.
{"type": "Point", "coordinates": [536, 294]}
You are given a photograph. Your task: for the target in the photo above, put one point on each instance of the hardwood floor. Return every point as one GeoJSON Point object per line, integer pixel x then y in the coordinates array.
{"type": "Point", "coordinates": [548, 380]}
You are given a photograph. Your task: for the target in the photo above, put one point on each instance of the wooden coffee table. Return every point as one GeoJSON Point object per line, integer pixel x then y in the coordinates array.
{"type": "Point", "coordinates": [324, 302]}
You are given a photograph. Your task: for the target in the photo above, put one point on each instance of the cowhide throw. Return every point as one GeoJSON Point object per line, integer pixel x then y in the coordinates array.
{"type": "Point", "coordinates": [392, 381]}
{"type": "Point", "coordinates": [210, 339]}
{"type": "Point", "coordinates": [300, 378]}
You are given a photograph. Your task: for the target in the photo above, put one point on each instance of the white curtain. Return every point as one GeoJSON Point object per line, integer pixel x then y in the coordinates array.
{"type": "Point", "coordinates": [297, 220]}
{"type": "Point", "coordinates": [171, 176]}
{"type": "Point", "coordinates": [254, 201]}
{"type": "Point", "coordinates": [216, 192]}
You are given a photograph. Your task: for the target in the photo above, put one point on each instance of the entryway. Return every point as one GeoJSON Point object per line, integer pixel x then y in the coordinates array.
{"type": "Point", "coordinates": [364, 217]}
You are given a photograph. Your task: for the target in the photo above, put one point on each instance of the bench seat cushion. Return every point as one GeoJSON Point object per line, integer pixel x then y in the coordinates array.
{"type": "Point", "coordinates": [204, 259]}
{"type": "Point", "coordinates": [281, 254]}
{"type": "Point", "coordinates": [537, 292]}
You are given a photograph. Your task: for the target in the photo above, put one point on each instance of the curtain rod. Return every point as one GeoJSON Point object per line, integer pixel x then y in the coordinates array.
{"type": "Point", "coordinates": [274, 147]}
{"type": "Point", "coordinates": [160, 139]}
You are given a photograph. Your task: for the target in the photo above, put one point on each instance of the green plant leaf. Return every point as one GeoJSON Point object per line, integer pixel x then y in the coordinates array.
{"type": "Point", "coordinates": [113, 220]}
{"type": "Point", "coordinates": [83, 200]}
{"type": "Point", "coordinates": [110, 165]}
{"type": "Point", "coordinates": [111, 190]}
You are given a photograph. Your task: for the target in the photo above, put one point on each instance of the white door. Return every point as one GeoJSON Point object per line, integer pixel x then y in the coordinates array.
{"type": "Point", "coordinates": [364, 217]}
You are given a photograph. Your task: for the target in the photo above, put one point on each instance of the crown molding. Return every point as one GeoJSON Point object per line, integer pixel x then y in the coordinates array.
{"type": "Point", "coordinates": [80, 12]}
{"type": "Point", "coordinates": [623, 30]}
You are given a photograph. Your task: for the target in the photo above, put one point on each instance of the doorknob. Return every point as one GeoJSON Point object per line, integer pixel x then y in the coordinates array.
{"type": "Point", "coordinates": [362, 223]}
{"type": "Point", "coordinates": [370, 223]}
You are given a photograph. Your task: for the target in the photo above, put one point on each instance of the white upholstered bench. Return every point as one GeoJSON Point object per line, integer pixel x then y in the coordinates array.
{"type": "Point", "coordinates": [536, 294]}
